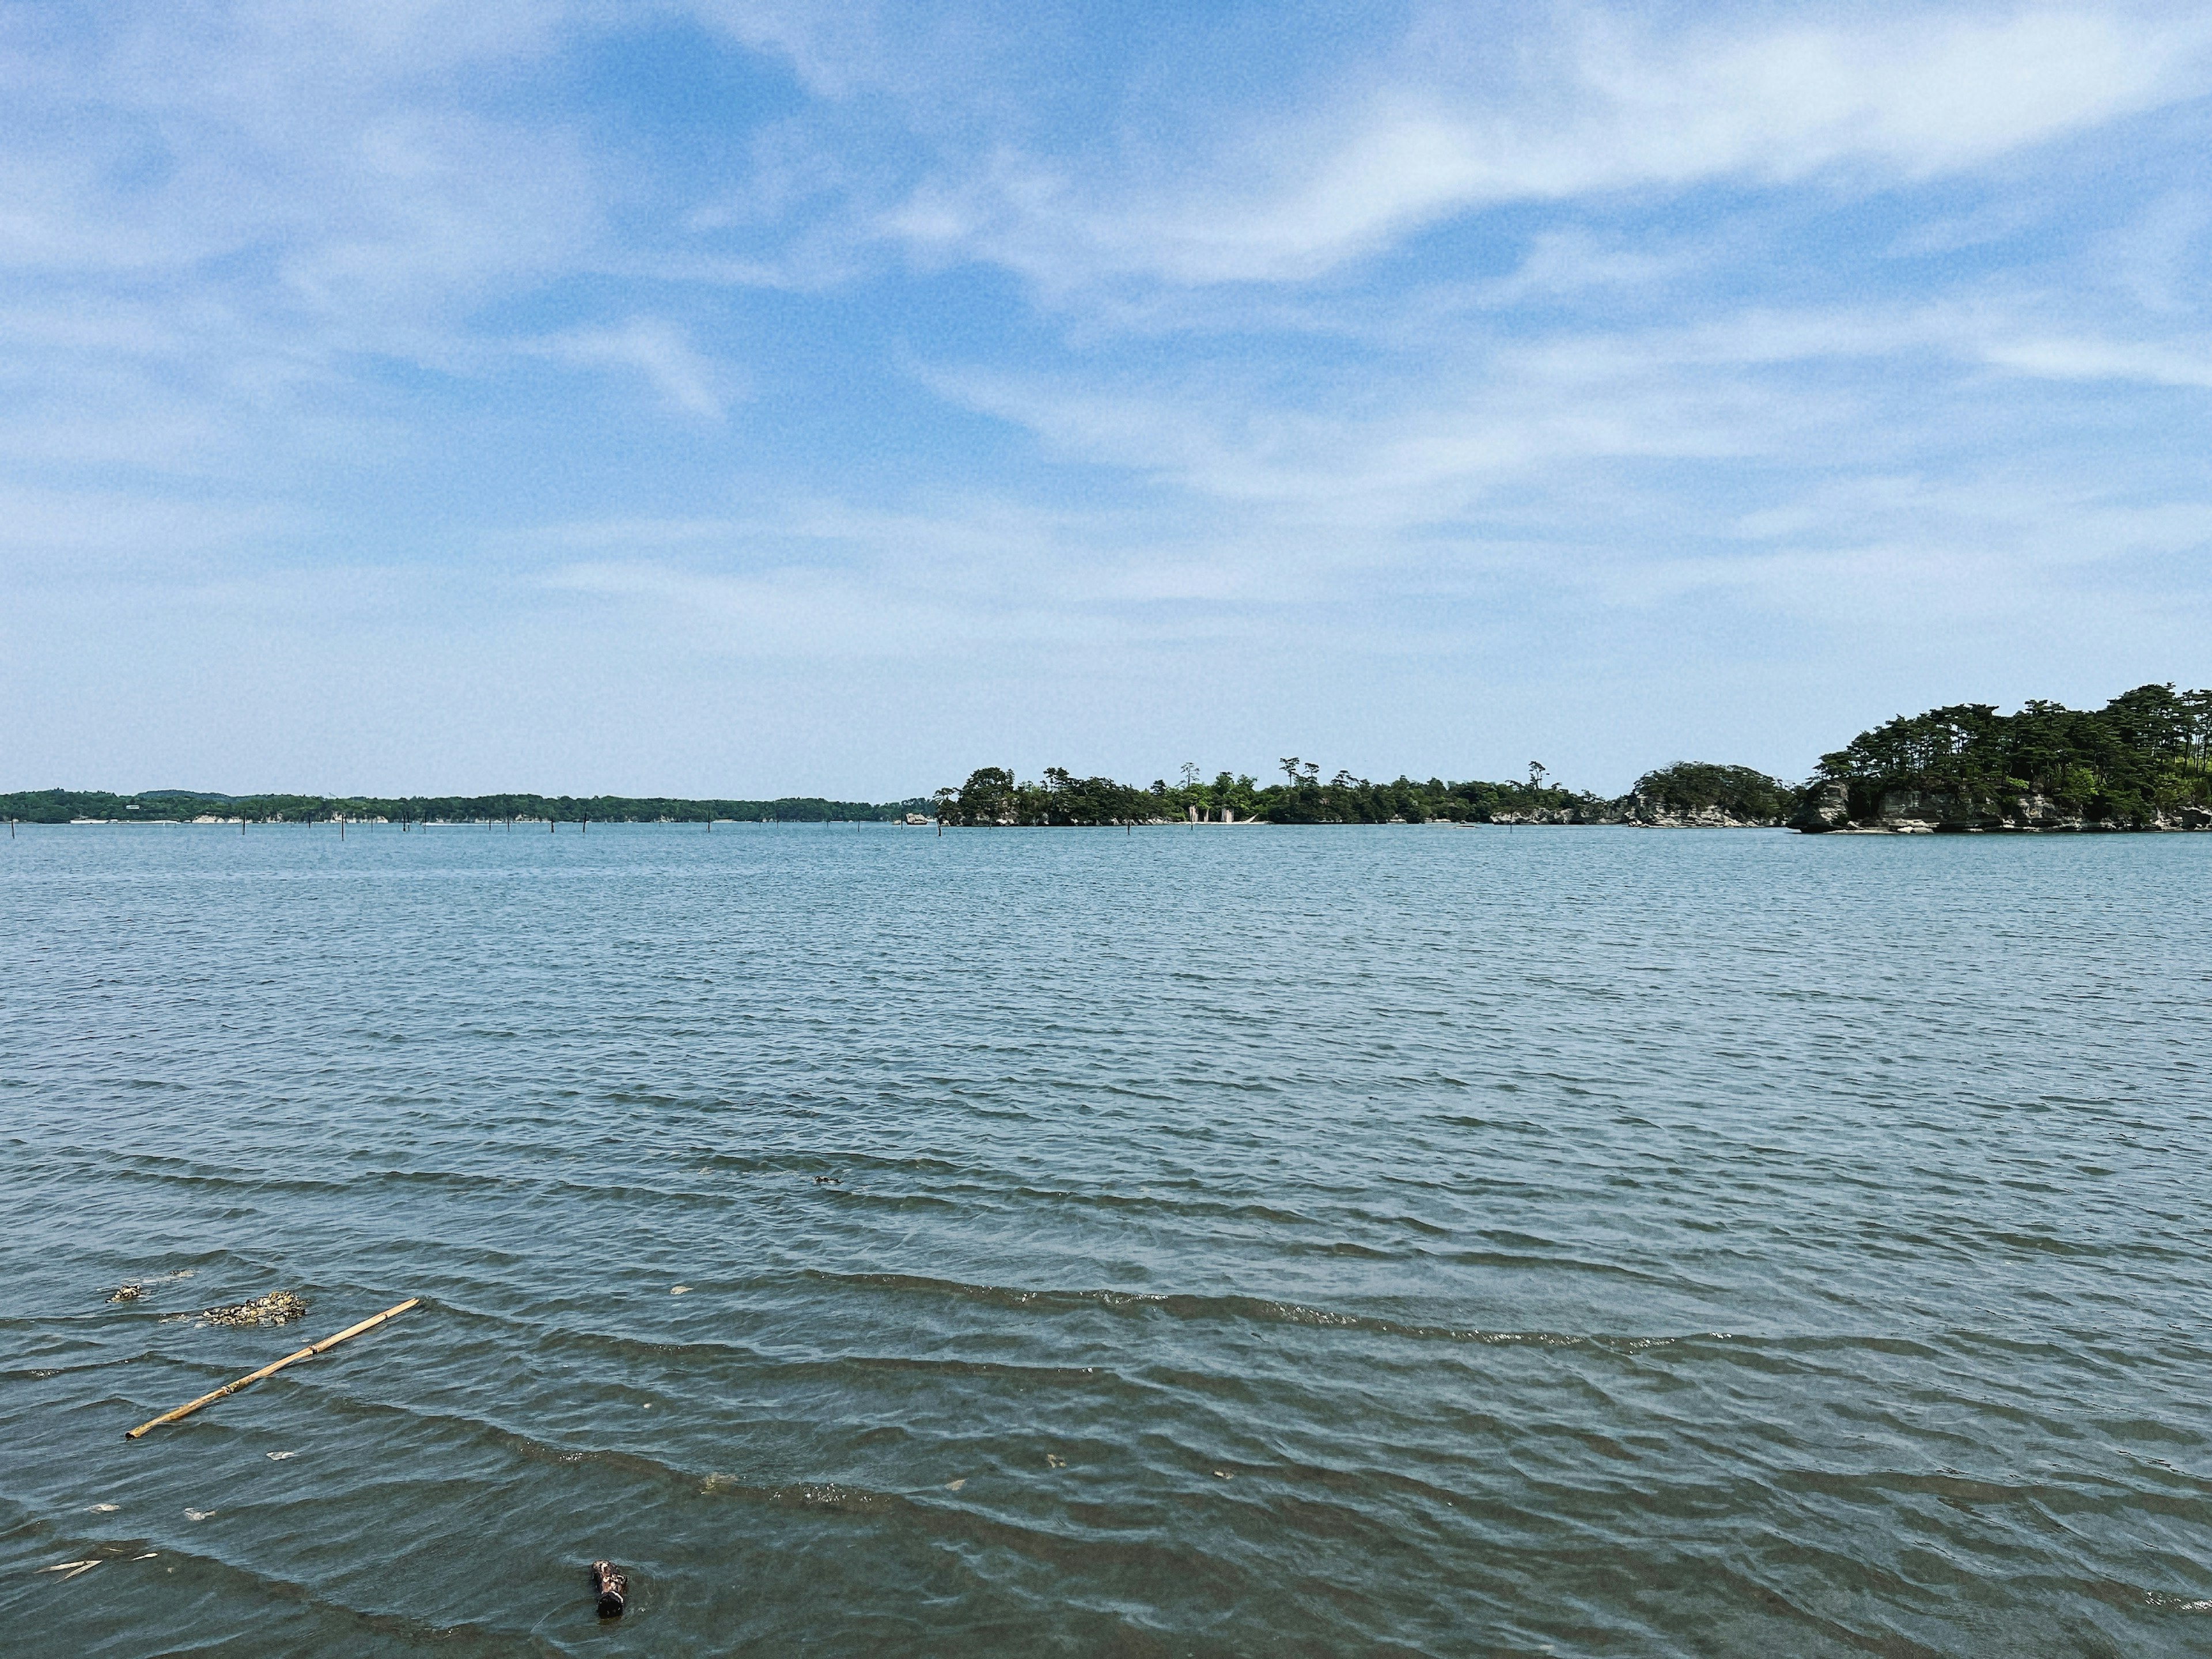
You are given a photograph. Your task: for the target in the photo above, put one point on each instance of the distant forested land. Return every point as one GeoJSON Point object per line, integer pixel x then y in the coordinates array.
{"type": "Point", "coordinates": [173, 806]}
{"type": "Point", "coordinates": [2142, 761]}
{"type": "Point", "coordinates": [992, 796]}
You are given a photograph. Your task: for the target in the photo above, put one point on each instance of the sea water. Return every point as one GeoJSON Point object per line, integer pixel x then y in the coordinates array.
{"type": "Point", "coordinates": [1198, 1241]}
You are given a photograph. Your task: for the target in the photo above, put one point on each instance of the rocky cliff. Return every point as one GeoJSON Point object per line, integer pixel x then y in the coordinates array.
{"type": "Point", "coordinates": [1834, 809]}
{"type": "Point", "coordinates": [1657, 814]}
{"type": "Point", "coordinates": [1639, 812]}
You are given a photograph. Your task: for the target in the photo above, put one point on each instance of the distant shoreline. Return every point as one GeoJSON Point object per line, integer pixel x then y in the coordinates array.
{"type": "Point", "coordinates": [200, 806]}
{"type": "Point", "coordinates": [2142, 763]}
{"type": "Point", "coordinates": [1907, 827]}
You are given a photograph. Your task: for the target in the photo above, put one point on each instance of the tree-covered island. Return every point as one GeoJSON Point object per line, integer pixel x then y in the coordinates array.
{"type": "Point", "coordinates": [1687, 792]}
{"type": "Point", "coordinates": [2141, 762]}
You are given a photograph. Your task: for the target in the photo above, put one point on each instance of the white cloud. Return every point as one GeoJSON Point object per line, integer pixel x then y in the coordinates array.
{"type": "Point", "coordinates": [836, 50]}
{"type": "Point", "coordinates": [1416, 440]}
{"type": "Point", "coordinates": [686, 381]}
{"type": "Point", "coordinates": [2187, 363]}
{"type": "Point", "coordinates": [1599, 106]}
{"type": "Point", "coordinates": [62, 534]}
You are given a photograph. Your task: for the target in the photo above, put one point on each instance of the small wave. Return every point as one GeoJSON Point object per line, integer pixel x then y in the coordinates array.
{"type": "Point", "coordinates": [1252, 1308]}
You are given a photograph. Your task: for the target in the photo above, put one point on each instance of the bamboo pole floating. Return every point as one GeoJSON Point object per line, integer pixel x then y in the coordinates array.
{"type": "Point", "coordinates": [307, 1352]}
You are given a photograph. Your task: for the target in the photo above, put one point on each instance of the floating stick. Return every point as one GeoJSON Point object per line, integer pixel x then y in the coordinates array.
{"type": "Point", "coordinates": [307, 1352]}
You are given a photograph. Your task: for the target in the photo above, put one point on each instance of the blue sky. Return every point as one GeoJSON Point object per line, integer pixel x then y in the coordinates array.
{"type": "Point", "coordinates": [719, 399]}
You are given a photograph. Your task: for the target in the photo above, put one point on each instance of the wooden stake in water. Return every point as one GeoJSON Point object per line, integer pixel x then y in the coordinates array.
{"type": "Point", "coordinates": [251, 1377]}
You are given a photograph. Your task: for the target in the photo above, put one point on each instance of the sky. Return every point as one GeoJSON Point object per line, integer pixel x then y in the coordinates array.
{"type": "Point", "coordinates": [732, 399]}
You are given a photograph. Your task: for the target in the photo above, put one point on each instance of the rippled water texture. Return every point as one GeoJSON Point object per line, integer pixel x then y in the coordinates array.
{"type": "Point", "coordinates": [1242, 1242]}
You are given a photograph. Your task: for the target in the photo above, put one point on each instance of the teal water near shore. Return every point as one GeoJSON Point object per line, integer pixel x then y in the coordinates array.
{"type": "Point", "coordinates": [1389, 1241]}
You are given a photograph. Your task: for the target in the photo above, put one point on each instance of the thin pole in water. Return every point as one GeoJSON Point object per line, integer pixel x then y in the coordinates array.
{"type": "Point", "coordinates": [252, 1377]}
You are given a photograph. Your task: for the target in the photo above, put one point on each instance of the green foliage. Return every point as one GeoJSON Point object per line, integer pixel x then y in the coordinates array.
{"type": "Point", "coordinates": [1694, 786]}
{"type": "Point", "coordinates": [2146, 751]}
{"type": "Point", "coordinates": [993, 797]}
{"type": "Point", "coordinates": [175, 805]}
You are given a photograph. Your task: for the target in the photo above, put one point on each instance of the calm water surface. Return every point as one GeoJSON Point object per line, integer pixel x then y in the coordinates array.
{"type": "Point", "coordinates": [1254, 1242]}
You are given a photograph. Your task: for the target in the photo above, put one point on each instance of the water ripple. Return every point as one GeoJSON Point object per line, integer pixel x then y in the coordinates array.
{"type": "Point", "coordinates": [1297, 1242]}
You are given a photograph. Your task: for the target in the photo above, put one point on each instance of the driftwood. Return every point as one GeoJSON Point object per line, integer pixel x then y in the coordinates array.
{"type": "Point", "coordinates": [307, 1352]}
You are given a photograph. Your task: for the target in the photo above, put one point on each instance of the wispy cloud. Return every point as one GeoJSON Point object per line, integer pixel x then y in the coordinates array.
{"type": "Point", "coordinates": [686, 379]}
{"type": "Point", "coordinates": [1601, 106]}
{"type": "Point", "coordinates": [2177, 363]}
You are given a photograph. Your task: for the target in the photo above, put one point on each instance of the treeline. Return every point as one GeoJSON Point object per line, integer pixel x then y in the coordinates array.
{"type": "Point", "coordinates": [2144, 759]}
{"type": "Point", "coordinates": [1691, 786]}
{"type": "Point", "coordinates": [992, 796]}
{"type": "Point", "coordinates": [182, 805]}
{"type": "Point", "coordinates": [2145, 755]}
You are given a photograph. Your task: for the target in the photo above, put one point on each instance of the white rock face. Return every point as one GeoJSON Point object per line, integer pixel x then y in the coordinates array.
{"type": "Point", "coordinates": [1925, 811]}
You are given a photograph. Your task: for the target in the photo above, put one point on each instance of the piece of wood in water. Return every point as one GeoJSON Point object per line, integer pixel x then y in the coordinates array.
{"type": "Point", "coordinates": [251, 1377]}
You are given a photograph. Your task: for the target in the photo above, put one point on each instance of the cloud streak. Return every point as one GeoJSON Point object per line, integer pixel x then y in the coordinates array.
{"type": "Point", "coordinates": [1605, 107]}
{"type": "Point", "coordinates": [688, 382]}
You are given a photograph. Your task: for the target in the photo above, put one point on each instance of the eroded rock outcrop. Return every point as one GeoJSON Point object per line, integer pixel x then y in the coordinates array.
{"type": "Point", "coordinates": [1833, 808]}
{"type": "Point", "coordinates": [1638, 811]}
{"type": "Point", "coordinates": [1654, 814]}
{"type": "Point", "coordinates": [2143, 762]}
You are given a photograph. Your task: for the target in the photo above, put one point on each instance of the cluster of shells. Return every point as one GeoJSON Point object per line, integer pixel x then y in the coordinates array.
{"type": "Point", "coordinates": [135, 1290]}
{"type": "Point", "coordinates": [277, 1307]}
